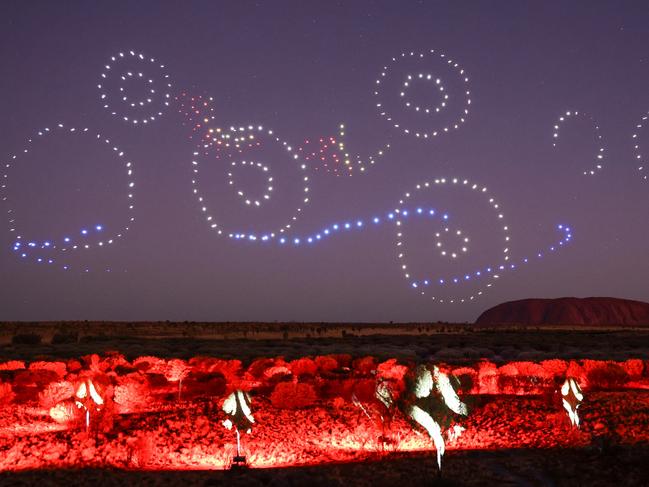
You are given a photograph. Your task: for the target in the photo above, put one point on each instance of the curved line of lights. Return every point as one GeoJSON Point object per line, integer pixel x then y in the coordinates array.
{"type": "Point", "coordinates": [636, 147]}
{"type": "Point", "coordinates": [140, 111]}
{"type": "Point", "coordinates": [92, 236]}
{"type": "Point", "coordinates": [330, 153]}
{"type": "Point", "coordinates": [599, 156]}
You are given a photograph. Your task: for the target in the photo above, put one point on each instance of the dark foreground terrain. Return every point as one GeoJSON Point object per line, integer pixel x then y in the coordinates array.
{"type": "Point", "coordinates": [529, 467]}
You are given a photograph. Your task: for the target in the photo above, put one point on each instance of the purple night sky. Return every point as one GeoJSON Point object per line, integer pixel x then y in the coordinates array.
{"type": "Point", "coordinates": [301, 69]}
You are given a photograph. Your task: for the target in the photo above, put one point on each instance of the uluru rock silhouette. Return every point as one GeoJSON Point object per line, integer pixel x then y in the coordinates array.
{"type": "Point", "coordinates": [568, 311]}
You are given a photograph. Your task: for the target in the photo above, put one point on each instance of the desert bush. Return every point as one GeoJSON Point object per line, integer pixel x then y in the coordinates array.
{"type": "Point", "coordinates": [131, 396]}
{"type": "Point", "coordinates": [326, 363]}
{"type": "Point", "coordinates": [634, 367]}
{"type": "Point", "coordinates": [303, 367]}
{"type": "Point", "coordinates": [65, 412]}
{"type": "Point", "coordinates": [391, 369]}
{"type": "Point", "coordinates": [467, 378]}
{"type": "Point", "coordinates": [59, 368]}
{"type": "Point", "coordinates": [258, 367]}
{"type": "Point", "coordinates": [364, 366]}
{"type": "Point", "coordinates": [290, 395]}
{"type": "Point", "coordinates": [37, 377]}
{"type": "Point", "coordinates": [365, 390]}
{"type": "Point", "coordinates": [276, 372]}
{"type": "Point", "coordinates": [343, 359]}
{"type": "Point", "coordinates": [54, 393]}
{"type": "Point", "coordinates": [12, 365]}
{"type": "Point", "coordinates": [555, 367]}
{"type": "Point", "coordinates": [230, 370]}
{"type": "Point", "coordinates": [74, 366]}
{"type": "Point", "coordinates": [575, 370]}
{"type": "Point", "coordinates": [487, 378]}
{"type": "Point", "coordinates": [205, 385]}
{"type": "Point", "coordinates": [607, 375]}
{"type": "Point", "coordinates": [338, 403]}
{"type": "Point", "coordinates": [149, 364]}
{"type": "Point", "coordinates": [6, 394]}
{"type": "Point", "coordinates": [114, 360]}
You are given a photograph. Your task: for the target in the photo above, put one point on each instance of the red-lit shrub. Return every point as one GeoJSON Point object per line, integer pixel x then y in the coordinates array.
{"type": "Point", "coordinates": [149, 364]}
{"type": "Point", "coordinates": [276, 372]}
{"type": "Point", "coordinates": [364, 366]}
{"type": "Point", "coordinates": [65, 412]}
{"type": "Point", "coordinates": [12, 365]}
{"type": "Point", "coordinates": [54, 393]}
{"type": "Point", "coordinates": [343, 359]}
{"type": "Point", "coordinates": [467, 377]}
{"type": "Point", "coordinates": [204, 385]}
{"type": "Point", "coordinates": [576, 371]}
{"type": "Point", "coordinates": [303, 367]}
{"type": "Point", "coordinates": [365, 390]}
{"type": "Point", "coordinates": [606, 376]}
{"type": "Point", "coordinates": [290, 395]}
{"type": "Point", "coordinates": [326, 363]}
{"type": "Point", "coordinates": [634, 367]}
{"type": "Point", "coordinates": [113, 361]}
{"type": "Point", "coordinates": [555, 367]}
{"type": "Point", "coordinates": [92, 362]}
{"type": "Point", "coordinates": [74, 366]}
{"type": "Point", "coordinates": [390, 369]}
{"type": "Point", "coordinates": [258, 367]}
{"type": "Point", "coordinates": [35, 377]}
{"type": "Point", "coordinates": [487, 378]}
{"type": "Point", "coordinates": [176, 370]}
{"type": "Point", "coordinates": [131, 396]}
{"type": "Point", "coordinates": [6, 394]}
{"type": "Point", "coordinates": [338, 403]}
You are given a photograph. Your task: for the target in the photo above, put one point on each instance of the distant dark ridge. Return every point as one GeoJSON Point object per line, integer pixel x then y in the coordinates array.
{"type": "Point", "coordinates": [568, 311]}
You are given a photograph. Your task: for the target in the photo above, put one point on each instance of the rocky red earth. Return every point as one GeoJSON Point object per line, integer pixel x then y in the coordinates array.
{"type": "Point", "coordinates": [166, 414]}
{"type": "Point", "coordinates": [568, 311]}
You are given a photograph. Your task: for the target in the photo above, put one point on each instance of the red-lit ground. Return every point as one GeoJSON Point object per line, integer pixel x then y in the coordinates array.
{"type": "Point", "coordinates": [152, 425]}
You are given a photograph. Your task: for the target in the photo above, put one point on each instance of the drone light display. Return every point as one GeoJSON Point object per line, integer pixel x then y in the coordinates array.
{"type": "Point", "coordinates": [128, 68]}
{"type": "Point", "coordinates": [599, 156]}
{"type": "Point", "coordinates": [53, 249]}
{"type": "Point", "coordinates": [233, 153]}
{"type": "Point", "coordinates": [636, 147]}
{"type": "Point", "coordinates": [418, 72]}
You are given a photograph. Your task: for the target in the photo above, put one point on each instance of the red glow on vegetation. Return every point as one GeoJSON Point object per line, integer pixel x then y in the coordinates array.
{"type": "Point", "coordinates": [155, 413]}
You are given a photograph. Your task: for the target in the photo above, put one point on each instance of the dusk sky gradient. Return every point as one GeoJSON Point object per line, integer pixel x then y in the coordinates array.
{"type": "Point", "coordinates": [301, 68]}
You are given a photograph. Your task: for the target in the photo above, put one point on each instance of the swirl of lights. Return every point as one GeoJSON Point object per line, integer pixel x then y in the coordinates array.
{"type": "Point", "coordinates": [599, 156]}
{"type": "Point", "coordinates": [230, 144]}
{"type": "Point", "coordinates": [488, 274]}
{"type": "Point", "coordinates": [426, 127]}
{"type": "Point", "coordinates": [269, 179]}
{"type": "Point", "coordinates": [636, 148]}
{"type": "Point", "coordinates": [398, 216]}
{"type": "Point", "coordinates": [51, 250]}
{"type": "Point", "coordinates": [114, 94]}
